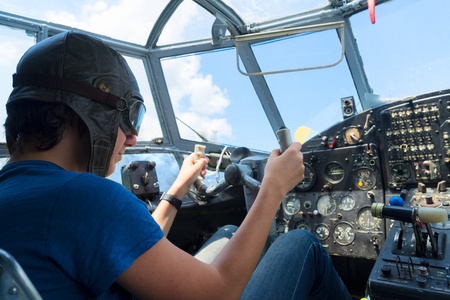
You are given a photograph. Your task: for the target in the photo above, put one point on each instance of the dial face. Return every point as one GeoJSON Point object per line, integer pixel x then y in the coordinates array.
{"type": "Point", "coordinates": [365, 179]}
{"type": "Point", "coordinates": [352, 135]}
{"type": "Point", "coordinates": [282, 226]}
{"type": "Point", "coordinates": [307, 205]}
{"type": "Point", "coordinates": [309, 180]}
{"type": "Point", "coordinates": [358, 160]}
{"type": "Point", "coordinates": [326, 205]}
{"type": "Point", "coordinates": [400, 172]}
{"type": "Point", "coordinates": [322, 232]}
{"type": "Point", "coordinates": [334, 172]}
{"type": "Point", "coordinates": [344, 233]}
{"type": "Point", "coordinates": [292, 205]}
{"type": "Point", "coordinates": [366, 220]}
{"type": "Point", "coordinates": [302, 224]}
{"type": "Point", "coordinates": [347, 202]}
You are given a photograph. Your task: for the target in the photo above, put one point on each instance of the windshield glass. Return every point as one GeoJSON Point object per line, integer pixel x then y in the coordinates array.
{"type": "Point", "coordinates": [312, 98]}
{"type": "Point", "coordinates": [404, 54]}
{"type": "Point", "coordinates": [13, 43]}
{"type": "Point", "coordinates": [257, 11]}
{"type": "Point", "coordinates": [130, 21]}
{"type": "Point", "coordinates": [406, 51]}
{"type": "Point", "coordinates": [214, 102]}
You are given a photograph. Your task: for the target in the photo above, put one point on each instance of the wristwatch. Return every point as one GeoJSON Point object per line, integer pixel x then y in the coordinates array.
{"type": "Point", "coordinates": [172, 200]}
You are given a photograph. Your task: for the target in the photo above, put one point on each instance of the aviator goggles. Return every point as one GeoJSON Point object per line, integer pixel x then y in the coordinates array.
{"type": "Point", "coordinates": [132, 110]}
{"type": "Point", "coordinates": [132, 116]}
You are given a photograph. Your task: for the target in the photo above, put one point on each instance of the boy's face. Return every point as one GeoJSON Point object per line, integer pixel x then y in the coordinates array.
{"type": "Point", "coordinates": [123, 141]}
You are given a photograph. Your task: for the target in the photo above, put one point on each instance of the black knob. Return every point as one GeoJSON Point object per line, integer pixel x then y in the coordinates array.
{"type": "Point", "coordinates": [421, 281]}
{"type": "Point", "coordinates": [233, 174]}
{"type": "Point", "coordinates": [386, 271]}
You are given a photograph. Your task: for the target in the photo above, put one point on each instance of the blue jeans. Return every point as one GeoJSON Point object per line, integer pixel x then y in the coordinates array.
{"type": "Point", "coordinates": [296, 266]}
{"type": "Point", "coordinates": [214, 245]}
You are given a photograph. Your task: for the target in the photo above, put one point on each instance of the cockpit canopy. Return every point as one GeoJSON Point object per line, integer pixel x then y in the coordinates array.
{"type": "Point", "coordinates": [189, 57]}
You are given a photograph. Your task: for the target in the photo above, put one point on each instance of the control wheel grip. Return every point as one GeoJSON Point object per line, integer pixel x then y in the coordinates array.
{"type": "Point", "coordinates": [284, 138]}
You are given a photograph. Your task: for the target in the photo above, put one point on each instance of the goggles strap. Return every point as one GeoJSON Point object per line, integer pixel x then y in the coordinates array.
{"type": "Point", "coordinates": [68, 85]}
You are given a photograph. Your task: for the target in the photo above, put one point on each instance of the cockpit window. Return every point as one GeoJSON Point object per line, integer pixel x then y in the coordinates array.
{"type": "Point", "coordinates": [213, 101]}
{"type": "Point", "coordinates": [150, 128]}
{"type": "Point", "coordinates": [189, 22]}
{"type": "Point", "coordinates": [258, 11]}
{"type": "Point", "coordinates": [13, 43]}
{"type": "Point", "coordinates": [167, 167]}
{"type": "Point", "coordinates": [306, 51]}
{"type": "Point", "coordinates": [403, 54]}
{"type": "Point", "coordinates": [308, 99]}
{"type": "Point", "coordinates": [114, 18]}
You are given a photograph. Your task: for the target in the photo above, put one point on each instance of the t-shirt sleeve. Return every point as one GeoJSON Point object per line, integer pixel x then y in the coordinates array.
{"type": "Point", "coordinates": [97, 230]}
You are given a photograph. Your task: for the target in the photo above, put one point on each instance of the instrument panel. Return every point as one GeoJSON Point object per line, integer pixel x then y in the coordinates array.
{"type": "Point", "coordinates": [364, 159]}
{"type": "Point", "coordinates": [335, 206]}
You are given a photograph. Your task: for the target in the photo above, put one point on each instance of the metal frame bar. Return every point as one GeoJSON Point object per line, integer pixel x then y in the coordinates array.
{"type": "Point", "coordinates": [261, 88]}
{"type": "Point", "coordinates": [355, 64]}
{"type": "Point", "coordinates": [289, 32]}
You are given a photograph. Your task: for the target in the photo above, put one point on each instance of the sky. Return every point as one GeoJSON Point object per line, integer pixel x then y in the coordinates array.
{"type": "Point", "coordinates": [205, 89]}
{"type": "Point", "coordinates": [132, 21]}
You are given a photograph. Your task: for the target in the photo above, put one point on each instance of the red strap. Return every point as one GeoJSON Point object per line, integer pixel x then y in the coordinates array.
{"type": "Point", "coordinates": [371, 4]}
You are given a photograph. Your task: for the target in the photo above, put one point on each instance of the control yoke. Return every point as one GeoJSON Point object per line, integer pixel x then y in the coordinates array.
{"type": "Point", "coordinates": [236, 173]}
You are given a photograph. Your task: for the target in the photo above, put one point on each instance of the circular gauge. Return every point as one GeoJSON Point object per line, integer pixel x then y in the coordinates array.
{"type": "Point", "coordinates": [358, 160]}
{"type": "Point", "coordinates": [326, 205]}
{"type": "Point", "coordinates": [365, 179]}
{"type": "Point", "coordinates": [309, 180]}
{"type": "Point", "coordinates": [307, 205]}
{"type": "Point", "coordinates": [352, 135]}
{"type": "Point", "coordinates": [344, 233]}
{"type": "Point", "coordinates": [302, 224]}
{"type": "Point", "coordinates": [322, 232]}
{"type": "Point", "coordinates": [292, 205]}
{"type": "Point", "coordinates": [282, 226]}
{"type": "Point", "coordinates": [400, 172]}
{"type": "Point", "coordinates": [334, 172]}
{"type": "Point", "coordinates": [366, 220]}
{"type": "Point", "coordinates": [347, 202]}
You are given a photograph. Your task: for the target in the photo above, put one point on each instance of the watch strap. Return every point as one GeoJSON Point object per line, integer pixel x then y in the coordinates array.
{"type": "Point", "coordinates": [172, 200]}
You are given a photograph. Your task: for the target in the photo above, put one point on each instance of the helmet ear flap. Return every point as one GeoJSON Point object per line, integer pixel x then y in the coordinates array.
{"type": "Point", "coordinates": [100, 156]}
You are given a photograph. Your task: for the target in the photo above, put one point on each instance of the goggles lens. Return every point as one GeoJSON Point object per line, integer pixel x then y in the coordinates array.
{"type": "Point", "coordinates": [132, 117]}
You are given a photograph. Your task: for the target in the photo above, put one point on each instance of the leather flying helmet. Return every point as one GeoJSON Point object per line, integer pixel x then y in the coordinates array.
{"type": "Point", "coordinates": [92, 79]}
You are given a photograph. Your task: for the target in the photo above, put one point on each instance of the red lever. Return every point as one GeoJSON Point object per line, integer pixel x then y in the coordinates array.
{"type": "Point", "coordinates": [371, 5]}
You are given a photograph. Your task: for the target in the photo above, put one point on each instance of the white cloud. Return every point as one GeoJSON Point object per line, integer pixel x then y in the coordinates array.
{"type": "Point", "coordinates": [216, 129]}
{"type": "Point", "coordinates": [207, 98]}
{"type": "Point", "coordinates": [262, 10]}
{"type": "Point", "coordinates": [129, 20]}
{"type": "Point", "coordinates": [133, 20]}
{"type": "Point", "coordinates": [186, 81]}
{"type": "Point", "coordinates": [197, 100]}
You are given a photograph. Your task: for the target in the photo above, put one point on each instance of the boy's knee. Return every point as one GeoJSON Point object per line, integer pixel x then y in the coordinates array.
{"type": "Point", "coordinates": [298, 237]}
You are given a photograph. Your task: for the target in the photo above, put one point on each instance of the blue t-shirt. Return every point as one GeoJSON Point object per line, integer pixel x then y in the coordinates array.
{"type": "Point", "coordinates": [73, 233]}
